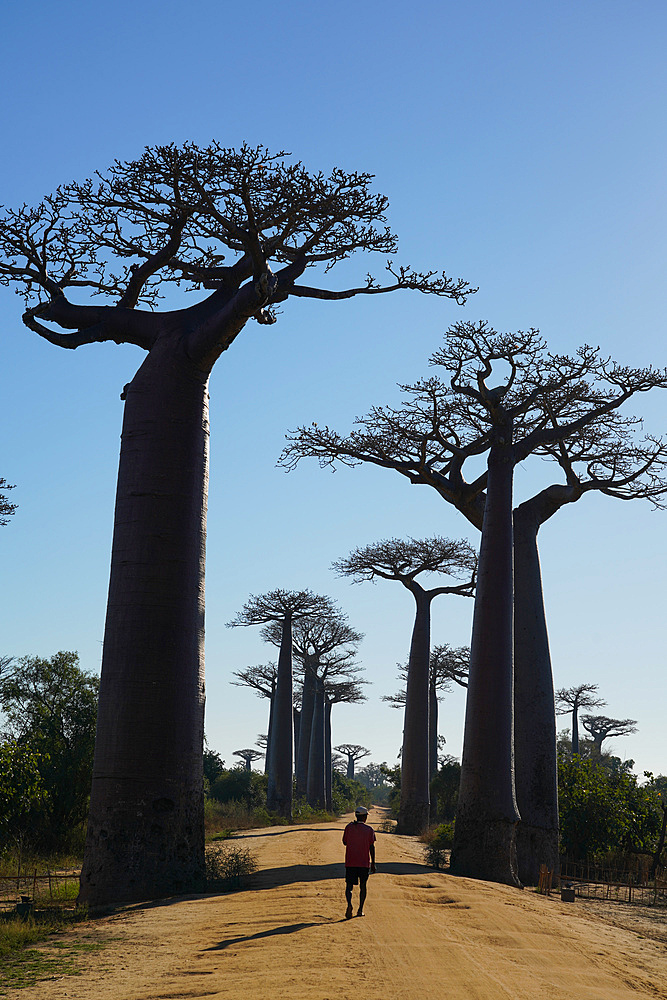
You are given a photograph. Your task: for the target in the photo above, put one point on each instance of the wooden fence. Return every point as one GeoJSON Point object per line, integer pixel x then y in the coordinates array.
{"type": "Point", "coordinates": [592, 880]}
{"type": "Point", "coordinates": [45, 889]}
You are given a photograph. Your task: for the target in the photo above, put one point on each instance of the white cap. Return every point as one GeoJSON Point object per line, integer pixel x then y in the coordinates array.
{"type": "Point", "coordinates": [361, 811]}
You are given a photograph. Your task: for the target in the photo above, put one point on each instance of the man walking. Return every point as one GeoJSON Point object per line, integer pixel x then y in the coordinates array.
{"type": "Point", "coordinates": [359, 840]}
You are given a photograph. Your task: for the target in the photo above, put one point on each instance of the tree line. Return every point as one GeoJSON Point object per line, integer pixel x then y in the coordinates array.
{"type": "Point", "coordinates": [90, 261]}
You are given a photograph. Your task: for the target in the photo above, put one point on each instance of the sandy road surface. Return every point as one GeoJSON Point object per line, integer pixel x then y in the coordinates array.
{"type": "Point", "coordinates": [425, 935]}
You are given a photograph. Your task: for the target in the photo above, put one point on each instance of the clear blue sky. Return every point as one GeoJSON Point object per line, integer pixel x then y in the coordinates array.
{"type": "Point", "coordinates": [522, 146]}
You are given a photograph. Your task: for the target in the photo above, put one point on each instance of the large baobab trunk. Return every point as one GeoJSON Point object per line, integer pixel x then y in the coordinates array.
{"type": "Point", "coordinates": [487, 815]}
{"type": "Point", "coordinates": [296, 722]}
{"type": "Point", "coordinates": [307, 704]}
{"type": "Point", "coordinates": [328, 769]}
{"type": "Point", "coordinates": [279, 789]}
{"type": "Point", "coordinates": [414, 808]}
{"type": "Point", "coordinates": [267, 758]}
{"type": "Point", "coordinates": [575, 729]}
{"type": "Point", "coordinates": [316, 788]}
{"type": "Point", "coordinates": [145, 830]}
{"type": "Point", "coordinates": [535, 762]}
{"type": "Point", "coordinates": [433, 741]}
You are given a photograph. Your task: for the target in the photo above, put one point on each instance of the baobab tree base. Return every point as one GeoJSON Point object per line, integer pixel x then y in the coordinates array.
{"type": "Point", "coordinates": [535, 847]}
{"type": "Point", "coordinates": [151, 853]}
{"type": "Point", "coordinates": [413, 819]}
{"type": "Point", "coordinates": [485, 850]}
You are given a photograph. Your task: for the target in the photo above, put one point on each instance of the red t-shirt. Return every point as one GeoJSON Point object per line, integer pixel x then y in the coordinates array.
{"type": "Point", "coordinates": [358, 838]}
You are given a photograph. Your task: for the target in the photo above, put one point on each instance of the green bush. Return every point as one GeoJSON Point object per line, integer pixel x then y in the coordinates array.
{"type": "Point", "coordinates": [228, 866]}
{"type": "Point", "coordinates": [437, 844]}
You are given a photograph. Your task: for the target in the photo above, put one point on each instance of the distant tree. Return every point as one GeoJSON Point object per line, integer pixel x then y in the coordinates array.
{"type": "Point", "coordinates": [50, 707]}
{"type": "Point", "coordinates": [324, 649]}
{"type": "Point", "coordinates": [404, 561]}
{"type": "Point", "coordinates": [283, 607]}
{"type": "Point", "coordinates": [248, 756]}
{"type": "Point", "coordinates": [354, 752]}
{"type": "Point", "coordinates": [601, 728]}
{"type": "Point", "coordinates": [572, 700]}
{"type": "Point", "coordinates": [447, 664]}
{"type": "Point", "coordinates": [262, 679]}
{"type": "Point", "coordinates": [241, 227]}
{"type": "Point", "coordinates": [6, 508]}
{"type": "Point", "coordinates": [445, 788]}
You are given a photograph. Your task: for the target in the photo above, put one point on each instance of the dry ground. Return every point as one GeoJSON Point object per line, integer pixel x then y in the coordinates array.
{"type": "Point", "coordinates": [425, 936]}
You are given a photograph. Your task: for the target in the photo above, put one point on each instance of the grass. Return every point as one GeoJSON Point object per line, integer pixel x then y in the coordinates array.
{"type": "Point", "coordinates": [22, 965]}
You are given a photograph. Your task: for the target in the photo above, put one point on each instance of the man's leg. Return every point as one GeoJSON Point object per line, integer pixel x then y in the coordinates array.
{"type": "Point", "coordinates": [348, 897]}
{"type": "Point", "coordinates": [362, 896]}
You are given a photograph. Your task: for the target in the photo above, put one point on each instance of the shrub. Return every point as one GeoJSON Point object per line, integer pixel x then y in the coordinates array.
{"type": "Point", "coordinates": [227, 866]}
{"type": "Point", "coordinates": [437, 844]}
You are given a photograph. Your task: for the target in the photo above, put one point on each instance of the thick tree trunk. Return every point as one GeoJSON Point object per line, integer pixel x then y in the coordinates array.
{"type": "Point", "coordinates": [414, 808]}
{"type": "Point", "coordinates": [316, 786]}
{"type": "Point", "coordinates": [575, 730]}
{"type": "Point", "coordinates": [307, 703]}
{"type": "Point", "coordinates": [487, 815]}
{"type": "Point", "coordinates": [296, 720]}
{"type": "Point", "coordinates": [433, 744]}
{"type": "Point", "coordinates": [279, 790]}
{"type": "Point", "coordinates": [535, 760]}
{"type": "Point", "coordinates": [350, 766]}
{"type": "Point", "coordinates": [267, 758]}
{"type": "Point", "coordinates": [328, 769]}
{"type": "Point", "coordinates": [145, 831]}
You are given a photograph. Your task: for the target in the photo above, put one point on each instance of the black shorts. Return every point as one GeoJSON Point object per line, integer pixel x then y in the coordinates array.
{"type": "Point", "coordinates": [354, 875]}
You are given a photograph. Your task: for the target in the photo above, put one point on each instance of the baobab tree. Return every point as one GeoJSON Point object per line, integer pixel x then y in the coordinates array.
{"type": "Point", "coordinates": [248, 756]}
{"type": "Point", "coordinates": [341, 692]}
{"type": "Point", "coordinates": [430, 437]}
{"type": "Point", "coordinates": [571, 700]}
{"type": "Point", "coordinates": [601, 728]}
{"type": "Point", "coordinates": [282, 607]}
{"type": "Point", "coordinates": [353, 752]}
{"type": "Point", "coordinates": [404, 561]}
{"type": "Point", "coordinates": [447, 665]}
{"type": "Point", "coordinates": [262, 679]}
{"type": "Point", "coordinates": [324, 648]}
{"type": "Point", "coordinates": [240, 228]}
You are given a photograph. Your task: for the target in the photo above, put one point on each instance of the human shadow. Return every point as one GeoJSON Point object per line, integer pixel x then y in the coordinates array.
{"type": "Point", "coordinates": [286, 929]}
{"type": "Point", "coordinates": [269, 878]}
{"type": "Point", "coordinates": [242, 835]}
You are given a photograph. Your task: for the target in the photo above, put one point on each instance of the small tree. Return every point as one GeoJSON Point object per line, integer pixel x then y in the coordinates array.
{"type": "Point", "coordinates": [354, 753]}
{"type": "Point", "coordinates": [22, 795]}
{"type": "Point", "coordinates": [248, 756]}
{"type": "Point", "coordinates": [403, 561]}
{"type": "Point", "coordinates": [601, 728]}
{"type": "Point", "coordinates": [262, 679]}
{"type": "Point", "coordinates": [571, 700]}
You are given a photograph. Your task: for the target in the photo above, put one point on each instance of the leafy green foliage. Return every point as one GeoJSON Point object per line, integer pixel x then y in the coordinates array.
{"type": "Point", "coordinates": [445, 787]}
{"type": "Point", "coordinates": [239, 785]}
{"type": "Point", "coordinates": [604, 808]}
{"type": "Point", "coordinates": [22, 793]}
{"type": "Point", "coordinates": [346, 793]}
{"type": "Point", "coordinates": [438, 843]}
{"type": "Point", "coordinates": [51, 710]}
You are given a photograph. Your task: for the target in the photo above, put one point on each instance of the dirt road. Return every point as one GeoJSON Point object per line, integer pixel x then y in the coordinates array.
{"type": "Point", "coordinates": [425, 936]}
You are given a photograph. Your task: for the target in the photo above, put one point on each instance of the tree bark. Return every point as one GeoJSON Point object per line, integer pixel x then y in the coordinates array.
{"type": "Point", "coordinates": [267, 758]}
{"type": "Point", "coordinates": [487, 815]}
{"type": "Point", "coordinates": [575, 730]}
{"type": "Point", "coordinates": [328, 771]}
{"type": "Point", "coordinates": [350, 766]}
{"type": "Point", "coordinates": [316, 788]}
{"type": "Point", "coordinates": [279, 790]}
{"type": "Point", "coordinates": [145, 831]}
{"type": "Point", "coordinates": [535, 759]}
{"type": "Point", "coordinates": [296, 722]}
{"type": "Point", "coordinates": [433, 743]}
{"type": "Point", "coordinates": [414, 807]}
{"type": "Point", "coordinates": [307, 704]}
